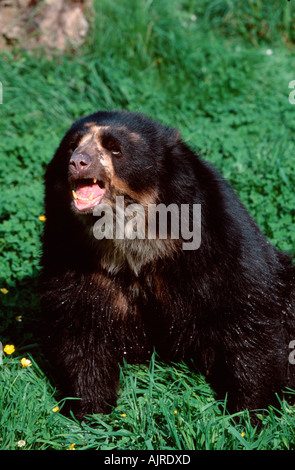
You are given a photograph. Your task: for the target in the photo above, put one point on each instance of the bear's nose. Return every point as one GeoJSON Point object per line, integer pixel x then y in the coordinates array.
{"type": "Point", "coordinates": [80, 161]}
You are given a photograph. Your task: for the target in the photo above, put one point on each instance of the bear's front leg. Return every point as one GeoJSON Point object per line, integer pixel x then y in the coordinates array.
{"type": "Point", "coordinates": [85, 367]}
{"type": "Point", "coordinates": [90, 325]}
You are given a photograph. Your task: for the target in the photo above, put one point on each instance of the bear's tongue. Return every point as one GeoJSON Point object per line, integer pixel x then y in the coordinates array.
{"type": "Point", "coordinates": [87, 195]}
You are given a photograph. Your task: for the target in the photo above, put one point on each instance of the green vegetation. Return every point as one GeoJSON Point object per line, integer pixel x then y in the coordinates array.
{"type": "Point", "coordinates": [218, 71]}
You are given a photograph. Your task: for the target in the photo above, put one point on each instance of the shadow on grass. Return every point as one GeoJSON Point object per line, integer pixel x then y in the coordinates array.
{"type": "Point", "coordinates": [20, 316]}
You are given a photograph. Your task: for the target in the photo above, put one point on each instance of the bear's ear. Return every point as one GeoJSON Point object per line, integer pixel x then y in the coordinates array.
{"type": "Point", "coordinates": [173, 137]}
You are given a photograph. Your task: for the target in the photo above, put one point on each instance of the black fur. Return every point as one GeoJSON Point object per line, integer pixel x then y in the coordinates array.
{"type": "Point", "coordinates": [228, 305]}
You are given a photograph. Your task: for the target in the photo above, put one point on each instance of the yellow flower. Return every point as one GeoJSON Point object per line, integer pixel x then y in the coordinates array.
{"type": "Point", "coordinates": [42, 218]}
{"type": "Point", "coordinates": [175, 412]}
{"type": "Point", "coordinates": [9, 349]}
{"type": "Point", "coordinates": [72, 446]}
{"type": "Point", "coordinates": [4, 291]}
{"type": "Point", "coordinates": [25, 362]}
{"type": "Point", "coordinates": [242, 434]}
{"type": "Point", "coordinates": [55, 409]}
{"type": "Point", "coordinates": [123, 415]}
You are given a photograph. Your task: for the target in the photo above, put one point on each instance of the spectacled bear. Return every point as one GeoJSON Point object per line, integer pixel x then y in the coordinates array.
{"type": "Point", "coordinates": [227, 304]}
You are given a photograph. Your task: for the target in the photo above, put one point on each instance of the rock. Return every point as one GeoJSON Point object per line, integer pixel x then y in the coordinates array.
{"type": "Point", "coordinates": [52, 24]}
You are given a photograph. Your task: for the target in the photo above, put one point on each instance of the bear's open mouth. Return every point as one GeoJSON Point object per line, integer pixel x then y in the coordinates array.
{"type": "Point", "coordinates": [87, 193]}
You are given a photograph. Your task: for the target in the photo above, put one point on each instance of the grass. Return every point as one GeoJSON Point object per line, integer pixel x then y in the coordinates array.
{"type": "Point", "coordinates": [219, 72]}
{"type": "Point", "coordinates": [160, 407]}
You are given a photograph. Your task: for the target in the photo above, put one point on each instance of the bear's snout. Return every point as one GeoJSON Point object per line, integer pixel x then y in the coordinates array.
{"type": "Point", "coordinates": [79, 162]}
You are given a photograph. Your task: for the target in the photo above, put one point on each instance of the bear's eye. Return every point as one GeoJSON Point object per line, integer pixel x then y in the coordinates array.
{"type": "Point", "coordinates": [116, 152]}
{"type": "Point", "coordinates": [112, 144]}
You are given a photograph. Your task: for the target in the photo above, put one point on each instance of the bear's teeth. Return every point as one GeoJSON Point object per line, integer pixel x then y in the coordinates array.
{"type": "Point", "coordinates": [75, 196]}
{"type": "Point", "coordinates": [94, 180]}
